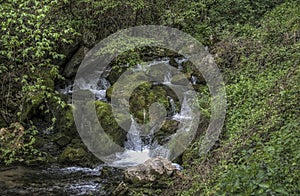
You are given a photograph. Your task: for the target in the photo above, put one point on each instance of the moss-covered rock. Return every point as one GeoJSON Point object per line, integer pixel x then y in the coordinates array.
{"type": "Point", "coordinates": [190, 70]}
{"type": "Point", "coordinates": [72, 66]}
{"type": "Point", "coordinates": [65, 121]}
{"type": "Point", "coordinates": [143, 97]}
{"type": "Point", "coordinates": [115, 73]}
{"type": "Point", "coordinates": [61, 139]}
{"type": "Point", "coordinates": [73, 155]}
{"type": "Point", "coordinates": [109, 123]}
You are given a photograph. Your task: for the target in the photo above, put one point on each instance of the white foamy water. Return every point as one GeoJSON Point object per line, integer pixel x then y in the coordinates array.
{"type": "Point", "coordinates": [137, 148]}
{"type": "Point", "coordinates": [131, 158]}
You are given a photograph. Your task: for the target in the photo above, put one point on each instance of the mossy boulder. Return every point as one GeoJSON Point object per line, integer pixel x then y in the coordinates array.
{"type": "Point", "coordinates": [73, 155]}
{"type": "Point", "coordinates": [73, 65]}
{"type": "Point", "coordinates": [143, 97]}
{"type": "Point", "coordinates": [109, 123]}
{"type": "Point", "coordinates": [180, 79]}
{"type": "Point", "coordinates": [61, 139]}
{"type": "Point", "coordinates": [115, 73]}
{"type": "Point", "coordinates": [65, 121]}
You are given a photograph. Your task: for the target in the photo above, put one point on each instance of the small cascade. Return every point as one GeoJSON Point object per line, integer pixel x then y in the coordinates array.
{"type": "Point", "coordinates": [173, 108]}
{"type": "Point", "coordinates": [138, 147]}
{"type": "Point", "coordinates": [103, 84]}
{"type": "Point", "coordinates": [136, 151]}
{"type": "Point", "coordinates": [185, 112]}
{"type": "Point", "coordinates": [180, 61]}
{"type": "Point", "coordinates": [167, 78]}
{"type": "Point", "coordinates": [194, 80]}
{"type": "Point", "coordinates": [134, 141]}
{"type": "Point", "coordinates": [68, 90]}
{"type": "Point", "coordinates": [97, 87]}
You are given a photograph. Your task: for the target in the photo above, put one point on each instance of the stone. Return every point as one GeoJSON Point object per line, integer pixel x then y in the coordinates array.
{"type": "Point", "coordinates": [62, 140]}
{"type": "Point", "coordinates": [72, 66]}
{"type": "Point", "coordinates": [109, 123]}
{"type": "Point", "coordinates": [72, 155]}
{"type": "Point", "coordinates": [154, 169]}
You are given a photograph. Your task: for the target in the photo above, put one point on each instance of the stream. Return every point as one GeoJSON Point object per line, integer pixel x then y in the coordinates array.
{"type": "Point", "coordinates": [58, 180]}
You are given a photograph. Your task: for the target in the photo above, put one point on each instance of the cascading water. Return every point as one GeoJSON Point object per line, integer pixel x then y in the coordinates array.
{"type": "Point", "coordinates": [180, 61]}
{"type": "Point", "coordinates": [97, 87]}
{"type": "Point", "coordinates": [173, 107]}
{"type": "Point", "coordinates": [194, 80]}
{"type": "Point", "coordinates": [168, 78]}
{"type": "Point", "coordinates": [139, 148]}
{"type": "Point", "coordinates": [134, 141]}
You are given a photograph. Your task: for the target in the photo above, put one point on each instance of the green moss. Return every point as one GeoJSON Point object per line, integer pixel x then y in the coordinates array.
{"type": "Point", "coordinates": [65, 121]}
{"type": "Point", "coordinates": [72, 155]}
{"type": "Point", "coordinates": [109, 123]}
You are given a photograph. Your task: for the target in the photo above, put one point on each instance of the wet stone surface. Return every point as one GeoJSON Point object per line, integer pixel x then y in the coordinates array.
{"type": "Point", "coordinates": [56, 181]}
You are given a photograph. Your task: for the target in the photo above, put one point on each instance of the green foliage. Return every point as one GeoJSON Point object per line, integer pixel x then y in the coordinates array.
{"type": "Point", "coordinates": [29, 36]}
{"type": "Point", "coordinates": [259, 150]}
{"type": "Point", "coordinates": [17, 145]}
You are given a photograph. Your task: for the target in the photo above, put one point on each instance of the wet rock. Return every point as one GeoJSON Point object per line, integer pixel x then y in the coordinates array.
{"type": "Point", "coordinates": [190, 70]}
{"type": "Point", "coordinates": [115, 73]}
{"type": "Point", "coordinates": [72, 155]}
{"type": "Point", "coordinates": [72, 66]}
{"type": "Point", "coordinates": [65, 121]}
{"type": "Point", "coordinates": [154, 169]}
{"type": "Point", "coordinates": [180, 79]}
{"type": "Point", "coordinates": [143, 97]}
{"type": "Point", "coordinates": [173, 62]}
{"type": "Point", "coordinates": [109, 123]}
{"type": "Point", "coordinates": [61, 139]}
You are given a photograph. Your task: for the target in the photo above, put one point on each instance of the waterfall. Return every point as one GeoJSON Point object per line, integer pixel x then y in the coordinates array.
{"type": "Point", "coordinates": [173, 108]}
{"type": "Point", "coordinates": [194, 80]}
{"type": "Point", "coordinates": [103, 84]}
{"type": "Point", "coordinates": [97, 87]}
{"type": "Point", "coordinates": [134, 141]}
{"type": "Point", "coordinates": [140, 144]}
{"type": "Point", "coordinates": [167, 78]}
{"type": "Point", "coordinates": [185, 112]}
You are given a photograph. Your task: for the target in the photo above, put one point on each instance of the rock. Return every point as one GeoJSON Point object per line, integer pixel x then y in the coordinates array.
{"type": "Point", "coordinates": [61, 139]}
{"type": "Point", "coordinates": [173, 62]}
{"type": "Point", "coordinates": [143, 97]}
{"type": "Point", "coordinates": [65, 121]}
{"type": "Point", "coordinates": [190, 70]}
{"type": "Point", "coordinates": [180, 79]}
{"type": "Point", "coordinates": [68, 50]}
{"type": "Point", "coordinates": [72, 66]}
{"type": "Point", "coordinates": [115, 73]}
{"type": "Point", "coordinates": [154, 169]}
{"type": "Point", "coordinates": [72, 155]}
{"type": "Point", "coordinates": [109, 123]}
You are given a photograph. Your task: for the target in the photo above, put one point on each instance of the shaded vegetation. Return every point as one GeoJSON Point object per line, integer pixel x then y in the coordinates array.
{"type": "Point", "coordinates": [256, 45]}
